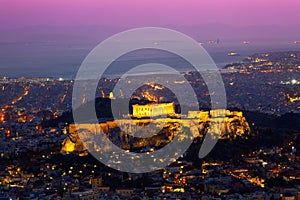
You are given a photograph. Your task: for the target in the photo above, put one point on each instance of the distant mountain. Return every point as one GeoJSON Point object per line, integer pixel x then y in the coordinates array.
{"type": "Point", "coordinates": [87, 34]}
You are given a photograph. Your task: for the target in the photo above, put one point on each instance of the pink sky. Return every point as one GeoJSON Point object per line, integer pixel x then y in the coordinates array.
{"type": "Point", "coordinates": [136, 13]}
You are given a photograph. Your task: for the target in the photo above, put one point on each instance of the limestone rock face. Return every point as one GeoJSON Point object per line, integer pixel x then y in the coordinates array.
{"type": "Point", "coordinates": [140, 133]}
{"type": "Point", "coordinates": [73, 144]}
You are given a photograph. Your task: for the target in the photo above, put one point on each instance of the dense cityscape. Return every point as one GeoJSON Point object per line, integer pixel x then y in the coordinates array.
{"type": "Point", "coordinates": [42, 156]}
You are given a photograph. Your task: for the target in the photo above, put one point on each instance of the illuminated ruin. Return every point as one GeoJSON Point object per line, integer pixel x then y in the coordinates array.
{"type": "Point", "coordinates": [153, 110]}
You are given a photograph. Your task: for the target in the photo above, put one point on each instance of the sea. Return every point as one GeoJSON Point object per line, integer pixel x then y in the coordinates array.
{"type": "Point", "coordinates": [62, 60]}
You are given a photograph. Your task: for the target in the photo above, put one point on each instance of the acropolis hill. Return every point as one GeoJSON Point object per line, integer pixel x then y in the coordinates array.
{"type": "Point", "coordinates": [122, 131]}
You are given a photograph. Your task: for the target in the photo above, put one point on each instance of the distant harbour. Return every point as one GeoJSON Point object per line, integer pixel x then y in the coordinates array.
{"type": "Point", "coordinates": [50, 61]}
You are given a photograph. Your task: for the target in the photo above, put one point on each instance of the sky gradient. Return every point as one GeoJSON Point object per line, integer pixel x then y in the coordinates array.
{"type": "Point", "coordinates": [136, 13]}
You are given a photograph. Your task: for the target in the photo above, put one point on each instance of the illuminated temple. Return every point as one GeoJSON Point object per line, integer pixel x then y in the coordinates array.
{"type": "Point", "coordinates": [231, 123]}
{"type": "Point", "coordinates": [153, 110]}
